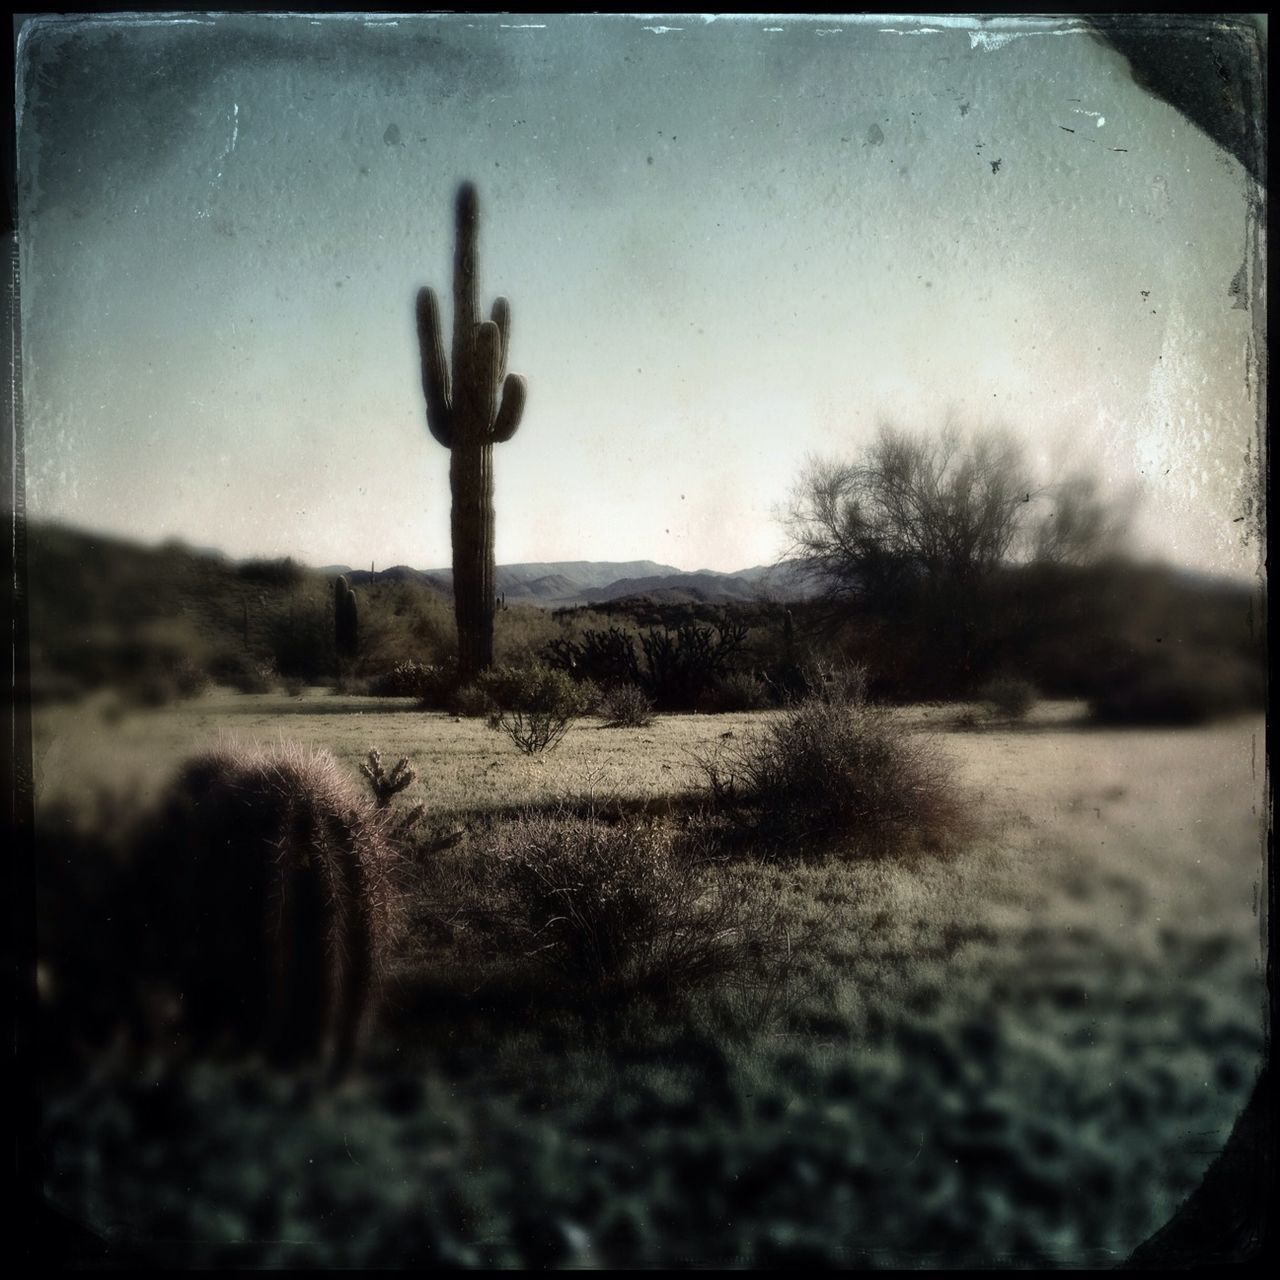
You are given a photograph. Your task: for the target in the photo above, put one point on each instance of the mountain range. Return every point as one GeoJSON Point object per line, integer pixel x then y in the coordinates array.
{"type": "Point", "coordinates": [565, 583]}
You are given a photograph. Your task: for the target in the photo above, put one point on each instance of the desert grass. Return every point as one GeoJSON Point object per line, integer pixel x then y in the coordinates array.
{"type": "Point", "coordinates": [1025, 1052]}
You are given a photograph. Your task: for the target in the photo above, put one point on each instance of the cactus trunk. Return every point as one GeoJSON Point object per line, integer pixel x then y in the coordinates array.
{"type": "Point", "coordinates": [471, 481]}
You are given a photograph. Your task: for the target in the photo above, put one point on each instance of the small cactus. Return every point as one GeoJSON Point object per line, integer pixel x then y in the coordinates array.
{"type": "Point", "coordinates": [385, 785]}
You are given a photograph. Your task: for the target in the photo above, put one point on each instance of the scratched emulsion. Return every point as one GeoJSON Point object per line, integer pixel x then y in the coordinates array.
{"type": "Point", "coordinates": [729, 243]}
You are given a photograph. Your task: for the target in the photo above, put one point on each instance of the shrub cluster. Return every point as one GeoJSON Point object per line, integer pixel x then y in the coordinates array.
{"type": "Point", "coordinates": [408, 679]}
{"type": "Point", "coordinates": [678, 665]}
{"type": "Point", "coordinates": [1177, 689]}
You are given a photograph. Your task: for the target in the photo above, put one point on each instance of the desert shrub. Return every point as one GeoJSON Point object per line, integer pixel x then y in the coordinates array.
{"type": "Point", "coordinates": [1174, 689]}
{"type": "Point", "coordinates": [167, 682]}
{"type": "Point", "coordinates": [625, 707]}
{"type": "Point", "coordinates": [301, 638]}
{"type": "Point", "coordinates": [834, 767]}
{"type": "Point", "coordinates": [242, 672]}
{"type": "Point", "coordinates": [735, 691]}
{"type": "Point", "coordinates": [618, 907]}
{"type": "Point", "coordinates": [506, 686]}
{"type": "Point", "coordinates": [590, 698]}
{"type": "Point", "coordinates": [407, 679]}
{"type": "Point", "coordinates": [678, 664]}
{"type": "Point", "coordinates": [533, 705]}
{"type": "Point", "coordinates": [1010, 697]}
{"type": "Point", "coordinates": [266, 886]}
{"type": "Point", "coordinates": [521, 632]}
{"type": "Point", "coordinates": [681, 665]}
{"type": "Point", "coordinates": [468, 700]}
{"type": "Point", "coordinates": [347, 683]}
{"type": "Point", "coordinates": [151, 663]}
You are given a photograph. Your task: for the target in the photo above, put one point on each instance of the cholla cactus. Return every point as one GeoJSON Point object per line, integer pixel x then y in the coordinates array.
{"type": "Point", "coordinates": [470, 408]}
{"type": "Point", "coordinates": [385, 785]}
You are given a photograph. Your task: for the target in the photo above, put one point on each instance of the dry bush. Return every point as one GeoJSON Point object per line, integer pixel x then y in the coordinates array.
{"type": "Point", "coordinates": [406, 679]}
{"type": "Point", "coordinates": [625, 707]}
{"type": "Point", "coordinates": [626, 907]}
{"type": "Point", "coordinates": [267, 887]}
{"type": "Point", "coordinates": [242, 672]}
{"type": "Point", "coordinates": [1009, 697]}
{"type": "Point", "coordinates": [833, 766]}
{"type": "Point", "coordinates": [470, 701]}
{"type": "Point", "coordinates": [1180, 689]}
{"type": "Point", "coordinates": [735, 691]}
{"type": "Point", "coordinates": [534, 705]}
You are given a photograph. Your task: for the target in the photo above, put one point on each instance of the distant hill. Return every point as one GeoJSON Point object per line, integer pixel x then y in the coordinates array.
{"type": "Point", "coordinates": [104, 610]}
{"type": "Point", "coordinates": [564, 583]}
{"type": "Point", "coordinates": [88, 589]}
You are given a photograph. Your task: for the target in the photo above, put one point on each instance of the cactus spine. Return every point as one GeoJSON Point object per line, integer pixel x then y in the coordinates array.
{"type": "Point", "coordinates": [469, 410]}
{"type": "Point", "coordinates": [346, 625]}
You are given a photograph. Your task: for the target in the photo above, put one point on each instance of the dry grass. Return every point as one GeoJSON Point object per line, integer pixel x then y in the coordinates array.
{"type": "Point", "coordinates": [620, 906]}
{"type": "Point", "coordinates": [464, 768]}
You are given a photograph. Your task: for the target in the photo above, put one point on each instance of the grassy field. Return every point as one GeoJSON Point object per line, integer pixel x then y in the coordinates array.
{"type": "Point", "coordinates": [1025, 1050]}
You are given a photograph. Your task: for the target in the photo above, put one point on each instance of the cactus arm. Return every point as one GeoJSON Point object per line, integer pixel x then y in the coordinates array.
{"type": "Point", "coordinates": [502, 318]}
{"type": "Point", "coordinates": [435, 369]}
{"type": "Point", "coordinates": [510, 411]}
{"type": "Point", "coordinates": [488, 354]}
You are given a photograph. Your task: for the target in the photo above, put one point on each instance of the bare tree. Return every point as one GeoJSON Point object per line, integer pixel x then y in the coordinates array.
{"type": "Point", "coordinates": [913, 511]}
{"type": "Point", "coordinates": [918, 530]}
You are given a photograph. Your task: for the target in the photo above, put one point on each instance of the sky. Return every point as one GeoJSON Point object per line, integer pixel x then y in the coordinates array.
{"type": "Point", "coordinates": [729, 245]}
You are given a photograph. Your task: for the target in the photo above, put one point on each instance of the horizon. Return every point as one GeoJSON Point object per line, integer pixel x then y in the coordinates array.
{"type": "Point", "coordinates": [728, 245]}
{"type": "Point", "coordinates": [1144, 562]}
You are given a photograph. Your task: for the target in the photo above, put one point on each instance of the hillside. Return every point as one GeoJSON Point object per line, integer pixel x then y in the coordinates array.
{"type": "Point", "coordinates": [564, 583]}
{"type": "Point", "coordinates": [106, 611]}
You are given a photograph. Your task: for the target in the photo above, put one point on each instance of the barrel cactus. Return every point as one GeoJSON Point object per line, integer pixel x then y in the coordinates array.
{"type": "Point", "coordinates": [267, 888]}
{"type": "Point", "coordinates": [470, 408]}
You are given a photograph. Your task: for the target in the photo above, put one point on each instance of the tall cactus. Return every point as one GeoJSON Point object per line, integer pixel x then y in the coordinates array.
{"type": "Point", "coordinates": [479, 406]}
{"type": "Point", "coordinates": [346, 624]}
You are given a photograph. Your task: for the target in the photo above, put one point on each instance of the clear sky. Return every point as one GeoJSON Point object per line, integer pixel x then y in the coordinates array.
{"type": "Point", "coordinates": [727, 244]}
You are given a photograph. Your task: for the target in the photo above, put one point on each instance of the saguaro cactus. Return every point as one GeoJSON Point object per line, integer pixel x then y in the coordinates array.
{"type": "Point", "coordinates": [479, 406]}
{"type": "Point", "coordinates": [346, 624]}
